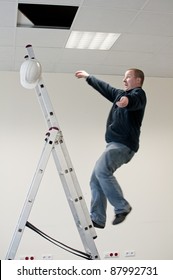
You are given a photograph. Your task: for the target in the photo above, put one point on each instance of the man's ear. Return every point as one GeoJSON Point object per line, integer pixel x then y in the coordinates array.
{"type": "Point", "coordinates": [138, 80]}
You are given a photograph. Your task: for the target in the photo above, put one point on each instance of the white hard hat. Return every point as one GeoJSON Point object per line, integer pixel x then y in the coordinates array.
{"type": "Point", "coordinates": [30, 73]}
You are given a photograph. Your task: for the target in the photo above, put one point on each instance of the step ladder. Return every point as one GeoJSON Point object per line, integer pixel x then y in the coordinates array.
{"type": "Point", "coordinates": [55, 145]}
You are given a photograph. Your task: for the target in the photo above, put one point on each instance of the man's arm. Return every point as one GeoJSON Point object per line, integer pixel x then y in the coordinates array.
{"type": "Point", "coordinates": [104, 88]}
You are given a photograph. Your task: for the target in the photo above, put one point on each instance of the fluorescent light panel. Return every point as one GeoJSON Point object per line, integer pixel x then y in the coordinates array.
{"type": "Point", "coordinates": [91, 40]}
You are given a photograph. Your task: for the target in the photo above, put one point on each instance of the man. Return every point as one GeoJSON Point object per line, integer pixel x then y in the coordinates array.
{"type": "Point", "coordinates": [122, 137]}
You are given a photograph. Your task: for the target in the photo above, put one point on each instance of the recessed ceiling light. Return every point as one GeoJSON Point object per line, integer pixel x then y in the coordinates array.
{"type": "Point", "coordinates": [91, 40]}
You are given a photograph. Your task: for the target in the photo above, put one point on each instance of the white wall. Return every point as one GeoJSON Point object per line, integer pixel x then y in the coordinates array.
{"type": "Point", "coordinates": [146, 181]}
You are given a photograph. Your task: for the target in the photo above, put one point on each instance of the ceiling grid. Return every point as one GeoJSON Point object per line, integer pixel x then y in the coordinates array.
{"type": "Point", "coordinates": [146, 39]}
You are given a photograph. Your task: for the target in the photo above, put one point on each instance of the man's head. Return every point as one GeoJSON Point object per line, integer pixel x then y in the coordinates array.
{"type": "Point", "coordinates": [133, 78]}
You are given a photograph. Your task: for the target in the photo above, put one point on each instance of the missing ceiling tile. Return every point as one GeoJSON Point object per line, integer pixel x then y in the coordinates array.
{"type": "Point", "coordinates": [46, 16]}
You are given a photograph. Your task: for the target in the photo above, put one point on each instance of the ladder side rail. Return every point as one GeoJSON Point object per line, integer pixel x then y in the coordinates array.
{"type": "Point", "coordinates": [43, 108]}
{"type": "Point", "coordinates": [47, 149]}
{"type": "Point", "coordinates": [46, 105]}
{"type": "Point", "coordinates": [30, 51]}
{"type": "Point", "coordinates": [86, 230]}
{"type": "Point", "coordinates": [45, 101]}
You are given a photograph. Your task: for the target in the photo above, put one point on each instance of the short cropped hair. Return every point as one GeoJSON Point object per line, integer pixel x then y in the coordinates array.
{"type": "Point", "coordinates": [138, 74]}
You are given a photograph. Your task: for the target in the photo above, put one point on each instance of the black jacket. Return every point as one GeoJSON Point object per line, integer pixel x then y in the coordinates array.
{"type": "Point", "coordinates": [123, 124]}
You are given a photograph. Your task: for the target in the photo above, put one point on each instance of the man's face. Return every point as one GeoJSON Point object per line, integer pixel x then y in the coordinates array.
{"type": "Point", "coordinates": [130, 81]}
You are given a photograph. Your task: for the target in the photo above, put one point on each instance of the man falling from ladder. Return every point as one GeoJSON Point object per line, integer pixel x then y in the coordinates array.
{"type": "Point", "coordinates": [122, 137]}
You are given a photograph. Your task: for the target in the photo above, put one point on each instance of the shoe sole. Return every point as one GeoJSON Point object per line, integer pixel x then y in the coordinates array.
{"type": "Point", "coordinates": [121, 218]}
{"type": "Point", "coordinates": [97, 225]}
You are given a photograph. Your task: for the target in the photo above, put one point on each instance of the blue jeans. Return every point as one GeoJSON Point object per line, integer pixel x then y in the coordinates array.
{"type": "Point", "coordinates": [104, 185]}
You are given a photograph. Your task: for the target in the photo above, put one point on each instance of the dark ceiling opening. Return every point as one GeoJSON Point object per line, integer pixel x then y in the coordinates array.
{"type": "Point", "coordinates": [49, 16]}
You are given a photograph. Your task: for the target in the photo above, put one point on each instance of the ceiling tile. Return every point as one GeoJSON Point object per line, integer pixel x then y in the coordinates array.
{"type": "Point", "coordinates": [41, 37]}
{"type": "Point", "coordinates": [132, 59]}
{"type": "Point", "coordinates": [6, 52]}
{"type": "Point", "coordinates": [97, 19]}
{"type": "Point", "coordinates": [83, 56]}
{"type": "Point", "coordinates": [167, 49]}
{"type": "Point", "coordinates": [6, 58]}
{"type": "Point", "coordinates": [159, 6]}
{"type": "Point", "coordinates": [7, 36]}
{"type": "Point", "coordinates": [161, 24]}
{"type": "Point", "coordinates": [8, 14]}
{"type": "Point", "coordinates": [142, 42]}
{"type": "Point", "coordinates": [125, 4]}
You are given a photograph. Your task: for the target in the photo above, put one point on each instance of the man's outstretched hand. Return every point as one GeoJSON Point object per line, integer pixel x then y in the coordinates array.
{"type": "Point", "coordinates": [81, 74]}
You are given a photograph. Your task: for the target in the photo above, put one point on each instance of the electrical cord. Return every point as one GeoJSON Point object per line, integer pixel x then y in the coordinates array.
{"type": "Point", "coordinates": [58, 243]}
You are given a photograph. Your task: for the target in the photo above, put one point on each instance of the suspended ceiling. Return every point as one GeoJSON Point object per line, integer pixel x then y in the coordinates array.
{"type": "Point", "coordinates": [146, 40]}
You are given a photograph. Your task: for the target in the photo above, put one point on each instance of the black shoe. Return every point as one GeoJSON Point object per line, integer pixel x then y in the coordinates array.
{"type": "Point", "coordinates": [119, 218]}
{"type": "Point", "coordinates": [97, 225]}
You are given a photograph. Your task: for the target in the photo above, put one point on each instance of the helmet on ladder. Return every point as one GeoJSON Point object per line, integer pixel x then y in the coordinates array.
{"type": "Point", "coordinates": [30, 73]}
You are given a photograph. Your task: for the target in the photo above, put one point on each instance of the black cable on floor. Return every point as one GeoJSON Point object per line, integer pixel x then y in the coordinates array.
{"type": "Point", "coordinates": [58, 243]}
